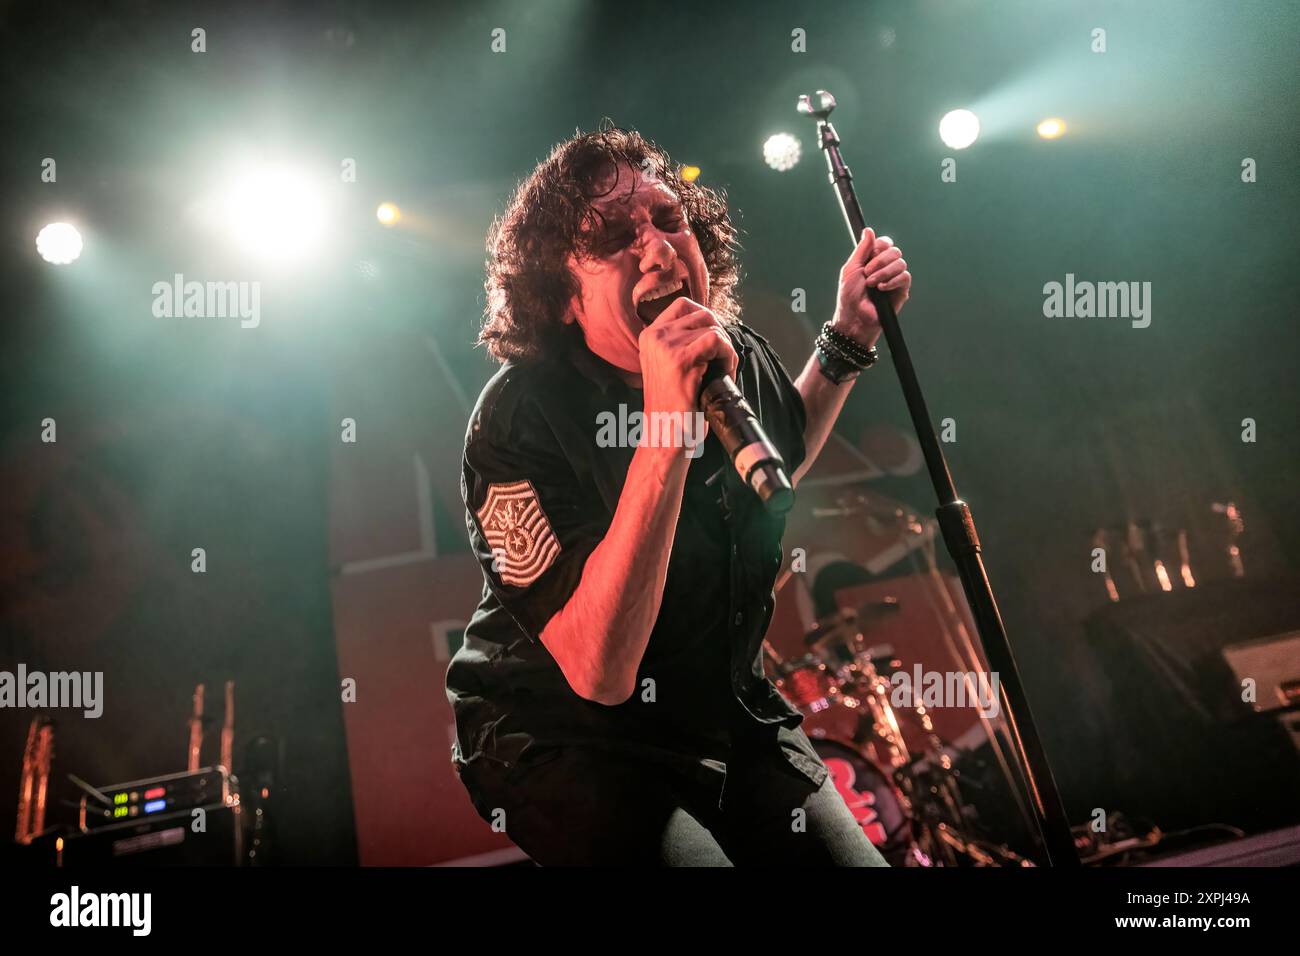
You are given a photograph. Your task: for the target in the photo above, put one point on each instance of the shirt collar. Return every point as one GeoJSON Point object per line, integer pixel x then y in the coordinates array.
{"type": "Point", "coordinates": [592, 366]}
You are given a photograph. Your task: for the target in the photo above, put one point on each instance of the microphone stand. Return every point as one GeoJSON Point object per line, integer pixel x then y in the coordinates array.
{"type": "Point", "coordinates": [958, 529]}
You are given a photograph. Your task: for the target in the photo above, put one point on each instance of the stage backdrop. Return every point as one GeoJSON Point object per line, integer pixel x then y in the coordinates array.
{"type": "Point", "coordinates": [404, 586]}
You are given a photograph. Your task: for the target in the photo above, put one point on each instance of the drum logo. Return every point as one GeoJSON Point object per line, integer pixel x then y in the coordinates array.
{"type": "Point", "coordinates": [861, 804]}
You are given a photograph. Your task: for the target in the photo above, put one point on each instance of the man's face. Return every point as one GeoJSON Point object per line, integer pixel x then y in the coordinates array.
{"type": "Point", "coordinates": [644, 256]}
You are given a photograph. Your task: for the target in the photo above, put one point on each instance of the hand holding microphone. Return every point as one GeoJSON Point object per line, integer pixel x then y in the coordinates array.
{"type": "Point", "coordinates": [688, 364]}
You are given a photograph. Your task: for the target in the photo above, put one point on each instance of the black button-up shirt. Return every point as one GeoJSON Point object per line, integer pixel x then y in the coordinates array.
{"type": "Point", "coordinates": [535, 433]}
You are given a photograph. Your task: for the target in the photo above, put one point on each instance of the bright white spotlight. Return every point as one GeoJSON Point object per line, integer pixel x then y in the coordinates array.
{"type": "Point", "coordinates": [388, 214]}
{"type": "Point", "coordinates": [1053, 128]}
{"type": "Point", "coordinates": [276, 213]}
{"type": "Point", "coordinates": [959, 129]}
{"type": "Point", "coordinates": [59, 243]}
{"type": "Point", "coordinates": [781, 151]}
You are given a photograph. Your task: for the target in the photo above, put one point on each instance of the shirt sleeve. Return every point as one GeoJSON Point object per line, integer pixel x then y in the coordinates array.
{"type": "Point", "coordinates": [530, 525]}
{"type": "Point", "coordinates": [783, 415]}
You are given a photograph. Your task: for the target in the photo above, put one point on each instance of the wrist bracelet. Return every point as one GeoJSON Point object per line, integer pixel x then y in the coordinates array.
{"type": "Point", "coordinates": [851, 348]}
{"type": "Point", "coordinates": [835, 368]}
{"type": "Point", "coordinates": [840, 358]}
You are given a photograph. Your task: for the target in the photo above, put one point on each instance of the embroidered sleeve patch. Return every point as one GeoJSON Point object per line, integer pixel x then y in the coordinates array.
{"type": "Point", "coordinates": [518, 533]}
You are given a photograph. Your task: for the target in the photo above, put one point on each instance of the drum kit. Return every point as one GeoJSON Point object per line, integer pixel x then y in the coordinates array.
{"type": "Point", "coordinates": [893, 770]}
{"type": "Point", "coordinates": [835, 653]}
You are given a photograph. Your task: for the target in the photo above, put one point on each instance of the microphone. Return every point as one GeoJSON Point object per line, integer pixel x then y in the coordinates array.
{"type": "Point", "coordinates": [756, 459]}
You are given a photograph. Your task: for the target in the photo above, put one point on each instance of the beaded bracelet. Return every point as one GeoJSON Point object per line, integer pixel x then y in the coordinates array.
{"type": "Point", "coordinates": [840, 358]}
{"type": "Point", "coordinates": [861, 354]}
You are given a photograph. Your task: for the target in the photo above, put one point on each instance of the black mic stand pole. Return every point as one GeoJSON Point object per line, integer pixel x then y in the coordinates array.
{"type": "Point", "coordinates": [958, 529]}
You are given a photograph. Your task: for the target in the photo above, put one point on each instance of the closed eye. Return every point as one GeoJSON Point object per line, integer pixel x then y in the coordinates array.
{"type": "Point", "coordinates": [616, 240]}
{"type": "Point", "coordinates": [673, 222]}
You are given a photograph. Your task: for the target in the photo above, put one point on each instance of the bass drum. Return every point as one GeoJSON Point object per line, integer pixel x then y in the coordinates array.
{"type": "Point", "coordinates": [872, 799]}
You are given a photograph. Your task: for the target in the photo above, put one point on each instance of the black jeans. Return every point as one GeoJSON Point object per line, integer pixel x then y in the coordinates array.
{"type": "Point", "coordinates": [581, 805]}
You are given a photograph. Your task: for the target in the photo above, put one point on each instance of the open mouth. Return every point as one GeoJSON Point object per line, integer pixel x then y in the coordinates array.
{"type": "Point", "coordinates": [658, 299]}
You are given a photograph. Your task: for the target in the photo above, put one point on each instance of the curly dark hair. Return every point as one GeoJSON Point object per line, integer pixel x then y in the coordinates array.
{"type": "Point", "coordinates": [529, 285]}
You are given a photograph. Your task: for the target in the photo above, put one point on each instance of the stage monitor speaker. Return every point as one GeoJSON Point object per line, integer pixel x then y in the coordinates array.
{"type": "Point", "coordinates": [1179, 745]}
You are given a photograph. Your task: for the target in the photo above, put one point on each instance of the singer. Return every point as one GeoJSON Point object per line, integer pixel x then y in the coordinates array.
{"type": "Point", "coordinates": [610, 701]}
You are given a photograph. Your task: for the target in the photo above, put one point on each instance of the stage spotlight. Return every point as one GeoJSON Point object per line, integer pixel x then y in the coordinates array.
{"type": "Point", "coordinates": [781, 151]}
{"type": "Point", "coordinates": [59, 243]}
{"type": "Point", "coordinates": [690, 173]}
{"type": "Point", "coordinates": [1053, 128]}
{"type": "Point", "coordinates": [276, 213]}
{"type": "Point", "coordinates": [388, 214]}
{"type": "Point", "coordinates": [959, 129]}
